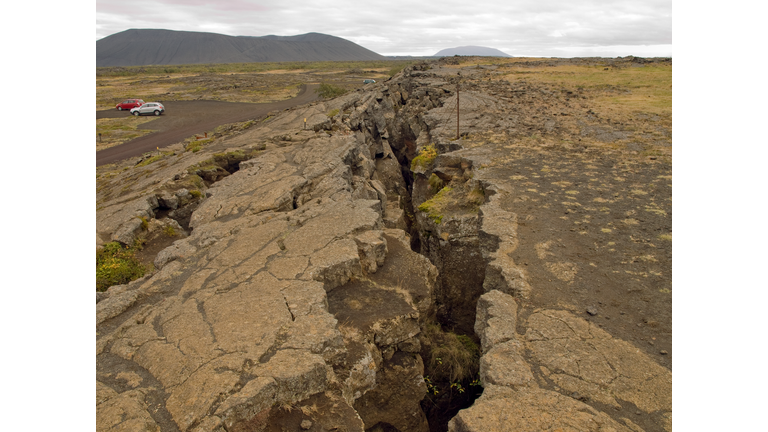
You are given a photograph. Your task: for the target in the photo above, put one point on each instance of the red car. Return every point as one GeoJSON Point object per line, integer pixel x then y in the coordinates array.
{"type": "Point", "coordinates": [129, 103]}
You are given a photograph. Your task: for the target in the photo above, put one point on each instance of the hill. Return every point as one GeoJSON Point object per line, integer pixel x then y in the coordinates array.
{"type": "Point", "coordinates": [471, 51]}
{"type": "Point", "coordinates": [137, 47]}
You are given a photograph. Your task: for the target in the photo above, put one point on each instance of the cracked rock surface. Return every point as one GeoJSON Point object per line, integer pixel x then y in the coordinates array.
{"type": "Point", "coordinates": [295, 297]}
{"type": "Point", "coordinates": [551, 375]}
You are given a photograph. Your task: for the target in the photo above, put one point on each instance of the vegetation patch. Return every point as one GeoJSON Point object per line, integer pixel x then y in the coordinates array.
{"type": "Point", "coordinates": [396, 69]}
{"type": "Point", "coordinates": [329, 91]}
{"type": "Point", "coordinates": [425, 158]}
{"type": "Point", "coordinates": [332, 113]}
{"type": "Point", "coordinates": [222, 164]}
{"type": "Point", "coordinates": [197, 145]}
{"type": "Point", "coordinates": [146, 162]}
{"type": "Point", "coordinates": [433, 207]}
{"type": "Point", "coordinates": [235, 68]}
{"type": "Point", "coordinates": [113, 131]}
{"type": "Point", "coordinates": [617, 91]}
{"type": "Point", "coordinates": [449, 357]}
{"type": "Point", "coordinates": [117, 265]}
{"type": "Point", "coordinates": [169, 230]}
{"type": "Point", "coordinates": [454, 198]}
{"type": "Point", "coordinates": [435, 182]}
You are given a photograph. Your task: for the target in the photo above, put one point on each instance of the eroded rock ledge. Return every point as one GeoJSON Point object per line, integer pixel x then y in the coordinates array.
{"type": "Point", "coordinates": [296, 301]}
{"type": "Point", "coordinates": [580, 359]}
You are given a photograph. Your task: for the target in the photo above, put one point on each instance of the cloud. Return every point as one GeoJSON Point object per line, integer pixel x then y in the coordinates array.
{"type": "Point", "coordinates": [401, 27]}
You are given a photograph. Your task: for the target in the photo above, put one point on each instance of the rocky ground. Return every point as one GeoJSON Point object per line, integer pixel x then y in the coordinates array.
{"type": "Point", "coordinates": [308, 262]}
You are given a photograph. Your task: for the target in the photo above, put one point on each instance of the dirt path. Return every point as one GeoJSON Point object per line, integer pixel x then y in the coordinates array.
{"type": "Point", "coordinates": [183, 119]}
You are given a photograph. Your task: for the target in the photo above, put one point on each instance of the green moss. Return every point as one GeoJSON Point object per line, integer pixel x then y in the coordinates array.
{"type": "Point", "coordinates": [196, 181]}
{"type": "Point", "coordinates": [435, 182]}
{"type": "Point", "coordinates": [116, 265]}
{"type": "Point", "coordinates": [195, 193]}
{"type": "Point", "coordinates": [150, 160]}
{"type": "Point", "coordinates": [433, 207]}
{"type": "Point", "coordinates": [332, 113]}
{"type": "Point", "coordinates": [425, 158]}
{"type": "Point", "coordinates": [197, 145]}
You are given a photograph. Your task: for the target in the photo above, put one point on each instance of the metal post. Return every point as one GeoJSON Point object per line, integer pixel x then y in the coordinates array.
{"type": "Point", "coordinates": [457, 109]}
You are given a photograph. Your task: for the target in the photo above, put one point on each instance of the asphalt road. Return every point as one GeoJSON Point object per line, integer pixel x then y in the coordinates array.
{"type": "Point", "coordinates": [182, 119]}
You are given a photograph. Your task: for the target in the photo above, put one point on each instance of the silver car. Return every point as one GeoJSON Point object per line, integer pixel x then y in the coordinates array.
{"type": "Point", "coordinates": [155, 108]}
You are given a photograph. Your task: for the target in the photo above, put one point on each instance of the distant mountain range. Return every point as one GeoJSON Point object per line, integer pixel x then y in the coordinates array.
{"type": "Point", "coordinates": [137, 47]}
{"type": "Point", "coordinates": [471, 51]}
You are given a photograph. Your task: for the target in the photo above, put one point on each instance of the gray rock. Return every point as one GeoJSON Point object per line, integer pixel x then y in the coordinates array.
{"type": "Point", "coordinates": [530, 409]}
{"type": "Point", "coordinates": [496, 319]}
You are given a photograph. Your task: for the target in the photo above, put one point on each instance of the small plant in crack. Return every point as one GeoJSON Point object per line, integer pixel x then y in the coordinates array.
{"type": "Point", "coordinates": [169, 231]}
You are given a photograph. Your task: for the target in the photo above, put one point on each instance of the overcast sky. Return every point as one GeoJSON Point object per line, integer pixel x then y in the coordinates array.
{"type": "Point", "coordinates": [549, 28]}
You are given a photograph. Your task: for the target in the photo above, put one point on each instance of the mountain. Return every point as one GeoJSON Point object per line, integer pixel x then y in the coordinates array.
{"type": "Point", "coordinates": [472, 51]}
{"type": "Point", "coordinates": [137, 47]}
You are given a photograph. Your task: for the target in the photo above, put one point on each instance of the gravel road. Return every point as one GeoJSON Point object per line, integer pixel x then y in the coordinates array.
{"type": "Point", "coordinates": [183, 119]}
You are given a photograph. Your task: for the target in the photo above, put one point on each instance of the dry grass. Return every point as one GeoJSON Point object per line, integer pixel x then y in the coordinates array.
{"type": "Point", "coordinates": [116, 131]}
{"type": "Point", "coordinates": [616, 93]}
{"type": "Point", "coordinates": [451, 357]}
{"type": "Point", "coordinates": [111, 90]}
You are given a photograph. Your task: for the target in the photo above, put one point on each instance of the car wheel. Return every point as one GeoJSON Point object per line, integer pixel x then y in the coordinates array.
{"type": "Point", "coordinates": [136, 113]}
{"type": "Point", "coordinates": [157, 112]}
{"type": "Point", "coordinates": [119, 108]}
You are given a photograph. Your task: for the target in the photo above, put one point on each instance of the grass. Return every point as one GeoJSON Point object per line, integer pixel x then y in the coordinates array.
{"type": "Point", "coordinates": [261, 67]}
{"type": "Point", "coordinates": [154, 158]}
{"type": "Point", "coordinates": [197, 145]}
{"type": "Point", "coordinates": [117, 265]}
{"type": "Point", "coordinates": [451, 357]}
{"type": "Point", "coordinates": [396, 69]}
{"type": "Point", "coordinates": [329, 91]}
{"type": "Point", "coordinates": [260, 89]}
{"type": "Point", "coordinates": [169, 231]}
{"type": "Point", "coordinates": [116, 131]}
{"type": "Point", "coordinates": [618, 92]}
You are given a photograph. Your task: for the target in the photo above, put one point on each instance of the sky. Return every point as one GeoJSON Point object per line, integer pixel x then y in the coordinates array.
{"type": "Point", "coordinates": [531, 28]}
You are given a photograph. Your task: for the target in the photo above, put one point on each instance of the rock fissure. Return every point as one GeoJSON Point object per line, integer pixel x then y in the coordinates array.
{"type": "Point", "coordinates": [394, 298]}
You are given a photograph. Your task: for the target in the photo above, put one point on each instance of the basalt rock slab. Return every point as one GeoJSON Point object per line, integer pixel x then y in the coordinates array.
{"type": "Point", "coordinates": [560, 373]}
{"type": "Point", "coordinates": [503, 409]}
{"type": "Point", "coordinates": [234, 324]}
